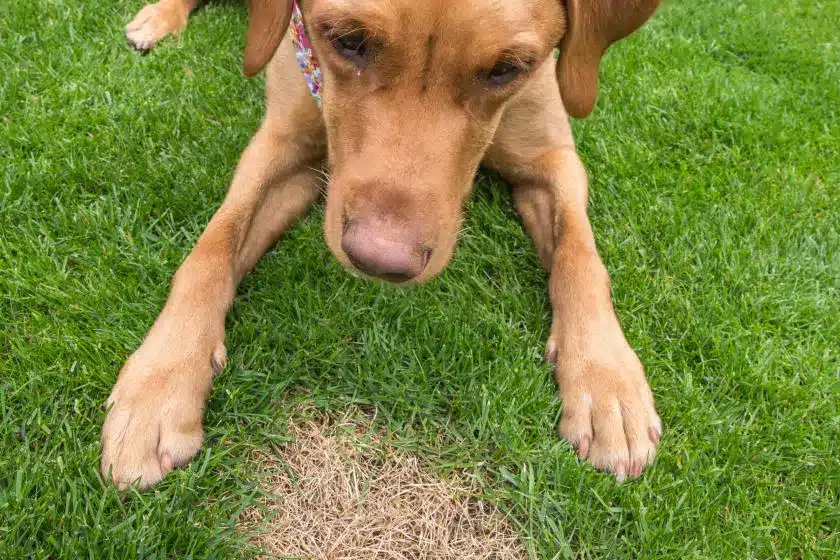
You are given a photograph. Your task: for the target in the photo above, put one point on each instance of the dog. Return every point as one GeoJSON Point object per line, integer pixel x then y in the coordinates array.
{"type": "Point", "coordinates": [400, 101]}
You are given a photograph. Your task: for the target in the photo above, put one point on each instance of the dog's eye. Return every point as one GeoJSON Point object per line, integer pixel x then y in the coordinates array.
{"type": "Point", "coordinates": [503, 73]}
{"type": "Point", "coordinates": [353, 46]}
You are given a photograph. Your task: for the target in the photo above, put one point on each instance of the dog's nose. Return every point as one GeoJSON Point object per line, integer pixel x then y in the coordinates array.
{"type": "Point", "coordinates": [385, 252]}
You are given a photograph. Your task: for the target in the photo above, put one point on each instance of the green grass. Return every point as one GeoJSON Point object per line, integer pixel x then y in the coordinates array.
{"type": "Point", "coordinates": [714, 157]}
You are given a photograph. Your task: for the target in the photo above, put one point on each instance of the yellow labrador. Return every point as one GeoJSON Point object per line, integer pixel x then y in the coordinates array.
{"type": "Point", "coordinates": [415, 95]}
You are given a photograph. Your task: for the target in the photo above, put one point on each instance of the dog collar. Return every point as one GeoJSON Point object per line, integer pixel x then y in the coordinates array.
{"type": "Point", "coordinates": [305, 55]}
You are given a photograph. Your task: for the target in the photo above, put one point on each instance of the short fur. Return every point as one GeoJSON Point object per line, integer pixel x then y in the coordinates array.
{"type": "Point", "coordinates": [402, 137]}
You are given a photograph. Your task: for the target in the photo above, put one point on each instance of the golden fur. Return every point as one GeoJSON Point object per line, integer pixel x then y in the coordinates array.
{"type": "Point", "coordinates": [402, 138]}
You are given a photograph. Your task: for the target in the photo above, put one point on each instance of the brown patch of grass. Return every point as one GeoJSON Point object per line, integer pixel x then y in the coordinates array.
{"type": "Point", "coordinates": [341, 491]}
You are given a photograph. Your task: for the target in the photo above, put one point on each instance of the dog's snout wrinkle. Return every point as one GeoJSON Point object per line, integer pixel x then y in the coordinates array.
{"type": "Point", "coordinates": [384, 252]}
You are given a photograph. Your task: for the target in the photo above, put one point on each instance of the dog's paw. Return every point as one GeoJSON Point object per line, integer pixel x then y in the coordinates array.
{"type": "Point", "coordinates": [154, 22]}
{"type": "Point", "coordinates": [155, 415]}
{"type": "Point", "coordinates": [608, 411]}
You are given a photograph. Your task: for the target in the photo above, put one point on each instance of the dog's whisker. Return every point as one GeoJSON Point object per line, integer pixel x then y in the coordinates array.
{"type": "Point", "coordinates": [323, 177]}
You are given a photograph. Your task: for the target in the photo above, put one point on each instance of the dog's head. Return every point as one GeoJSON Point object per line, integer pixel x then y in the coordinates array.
{"type": "Point", "coordinates": [413, 93]}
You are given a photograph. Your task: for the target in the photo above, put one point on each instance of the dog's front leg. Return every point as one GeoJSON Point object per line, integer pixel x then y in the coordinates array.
{"type": "Point", "coordinates": [157, 405]}
{"type": "Point", "coordinates": [608, 410]}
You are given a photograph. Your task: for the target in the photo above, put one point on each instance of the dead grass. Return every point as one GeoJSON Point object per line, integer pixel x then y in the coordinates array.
{"type": "Point", "coordinates": [341, 491]}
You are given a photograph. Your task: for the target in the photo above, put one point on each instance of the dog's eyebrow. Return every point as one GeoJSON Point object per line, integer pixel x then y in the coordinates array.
{"type": "Point", "coordinates": [366, 18]}
{"type": "Point", "coordinates": [522, 57]}
{"type": "Point", "coordinates": [524, 48]}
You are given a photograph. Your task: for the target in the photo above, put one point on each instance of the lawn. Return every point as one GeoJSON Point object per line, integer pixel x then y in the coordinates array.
{"type": "Point", "coordinates": [714, 156]}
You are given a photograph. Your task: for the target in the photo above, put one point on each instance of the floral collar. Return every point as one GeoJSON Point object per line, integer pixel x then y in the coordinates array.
{"type": "Point", "coordinates": [305, 55]}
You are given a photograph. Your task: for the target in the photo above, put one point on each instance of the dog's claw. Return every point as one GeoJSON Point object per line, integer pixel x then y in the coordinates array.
{"type": "Point", "coordinates": [621, 472]}
{"type": "Point", "coordinates": [583, 448]}
{"type": "Point", "coordinates": [655, 434]}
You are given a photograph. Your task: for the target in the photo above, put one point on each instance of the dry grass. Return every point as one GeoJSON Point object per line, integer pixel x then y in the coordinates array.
{"type": "Point", "coordinates": [341, 491]}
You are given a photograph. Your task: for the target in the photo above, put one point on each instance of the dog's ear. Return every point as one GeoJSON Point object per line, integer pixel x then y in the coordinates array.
{"type": "Point", "coordinates": [591, 27]}
{"type": "Point", "coordinates": [267, 22]}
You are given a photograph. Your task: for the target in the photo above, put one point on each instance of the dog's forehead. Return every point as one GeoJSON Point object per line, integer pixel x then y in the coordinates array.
{"type": "Point", "coordinates": [474, 14]}
{"type": "Point", "coordinates": [465, 19]}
